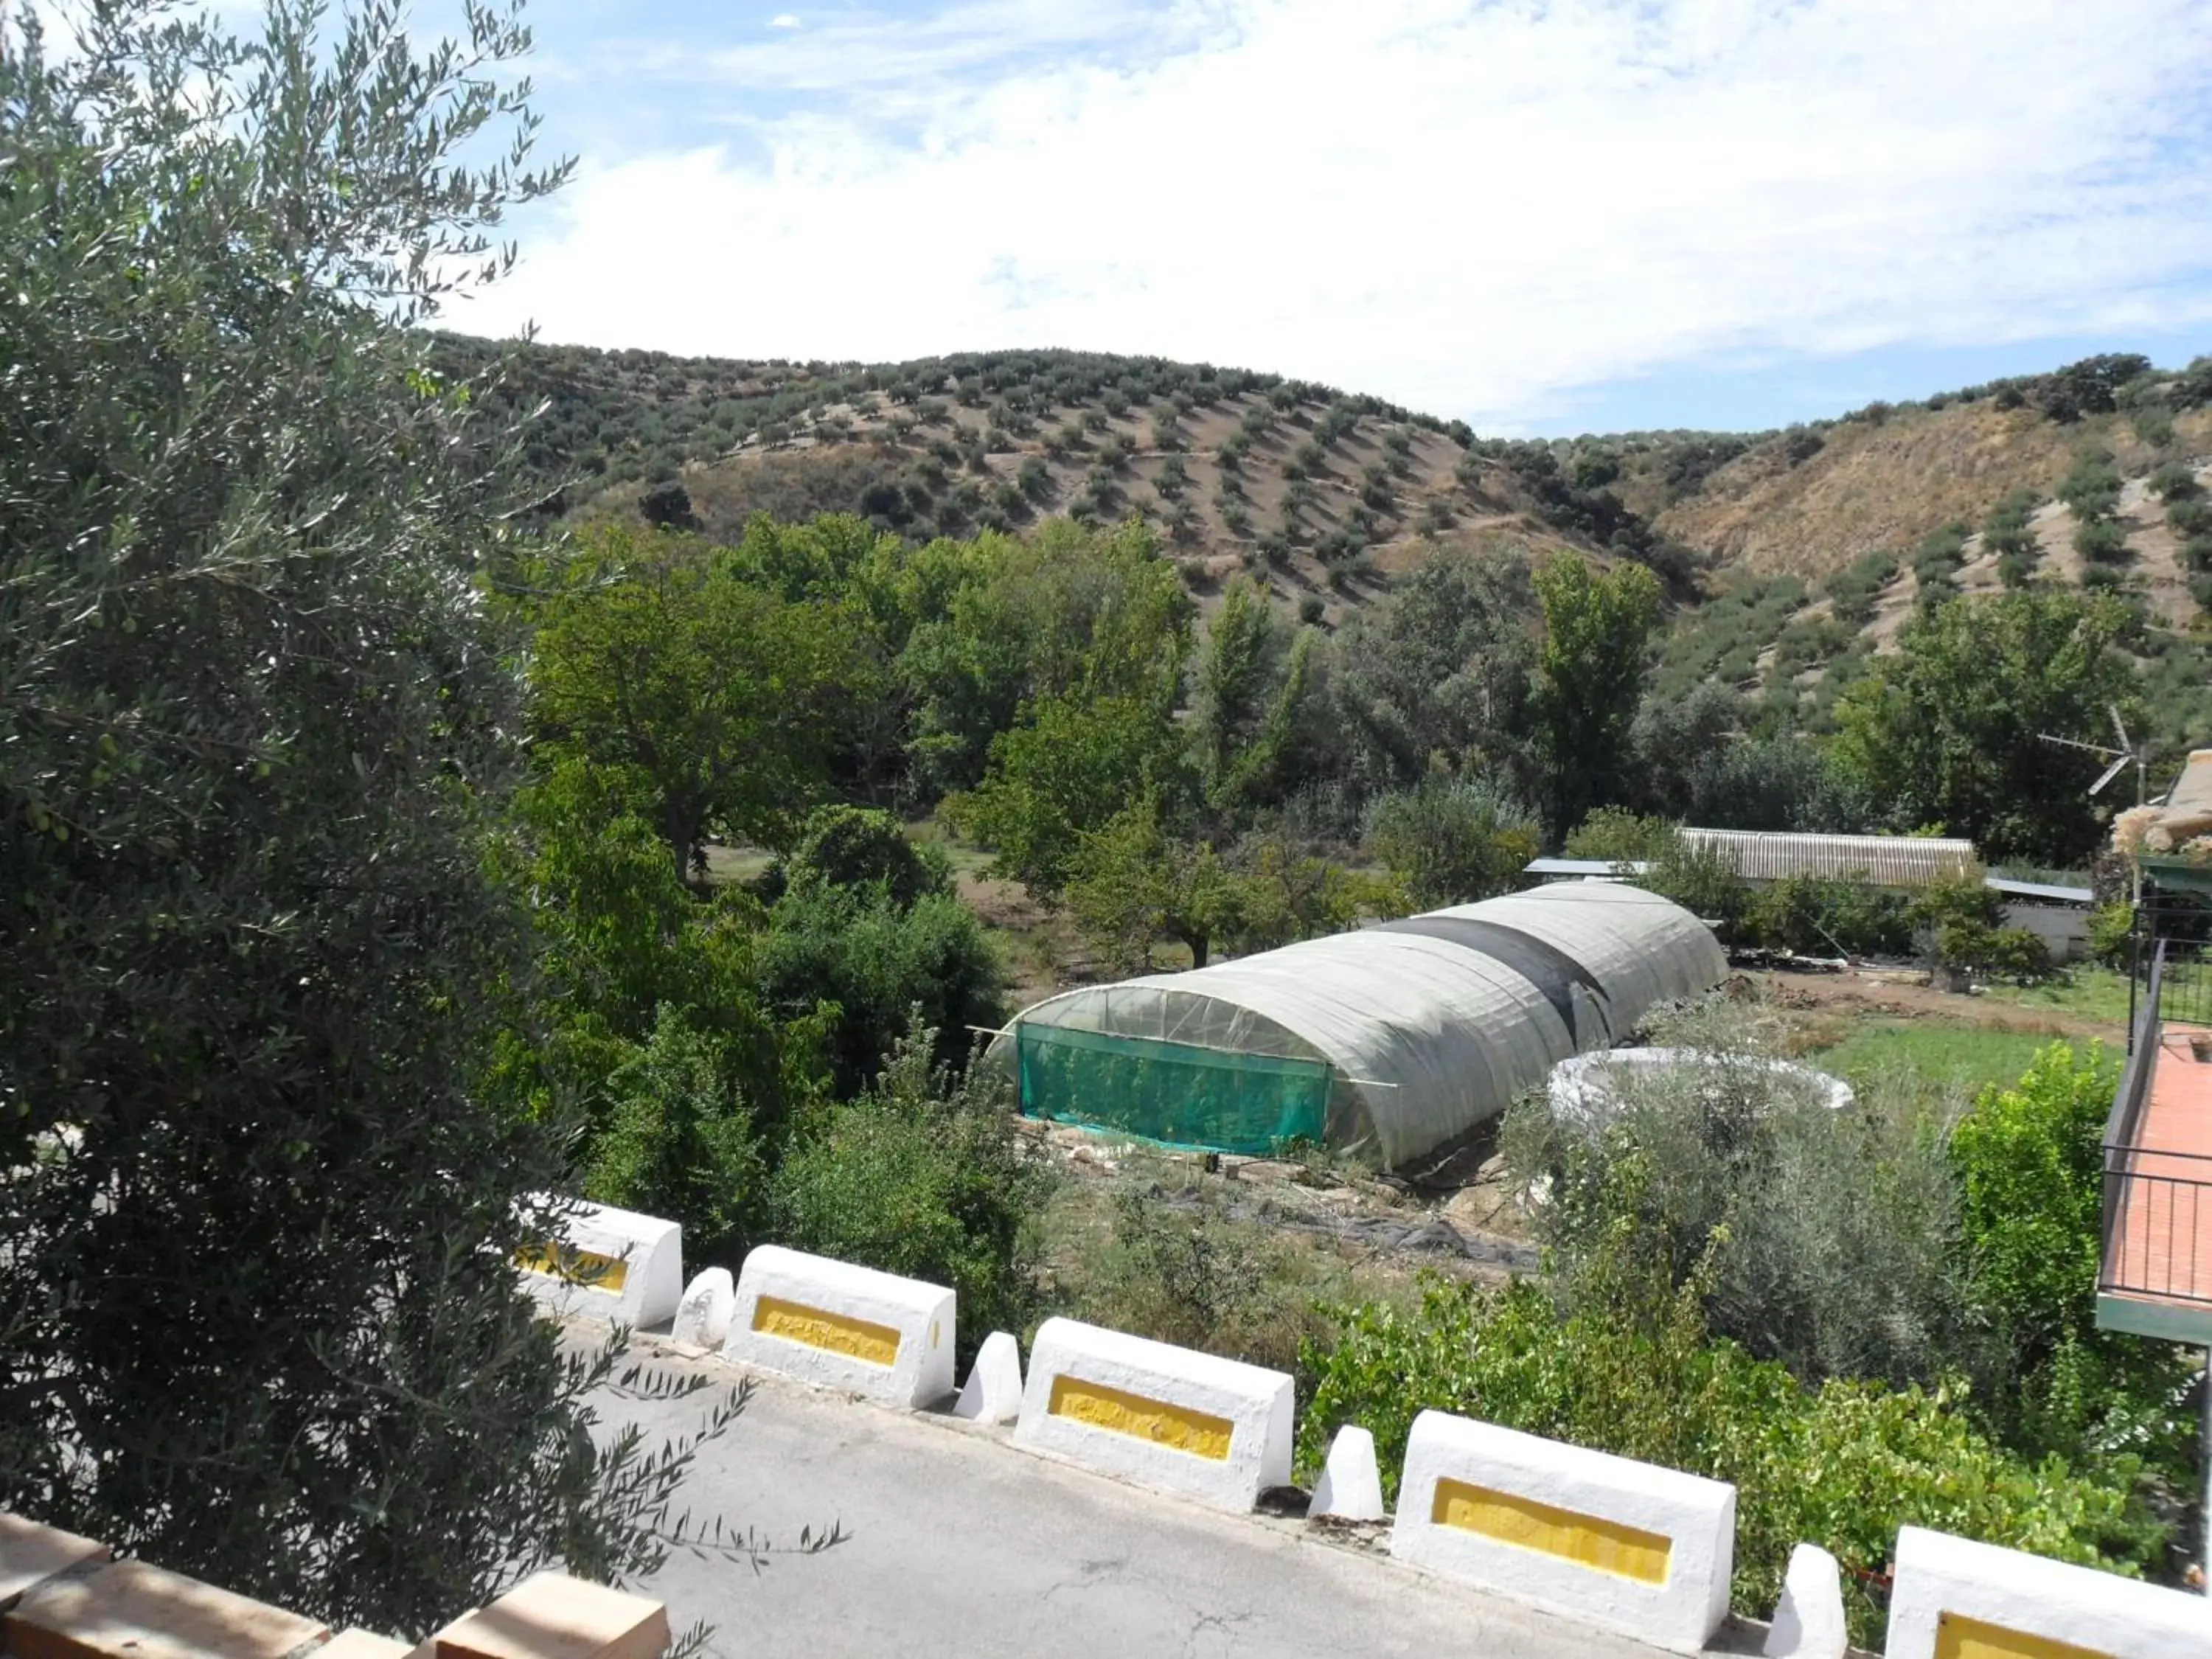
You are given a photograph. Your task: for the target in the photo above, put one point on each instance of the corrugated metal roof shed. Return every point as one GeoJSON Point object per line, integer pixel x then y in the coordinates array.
{"type": "Point", "coordinates": [1885, 860]}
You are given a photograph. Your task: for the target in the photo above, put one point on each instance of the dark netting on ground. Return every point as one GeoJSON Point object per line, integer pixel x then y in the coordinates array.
{"type": "Point", "coordinates": [1171, 1092]}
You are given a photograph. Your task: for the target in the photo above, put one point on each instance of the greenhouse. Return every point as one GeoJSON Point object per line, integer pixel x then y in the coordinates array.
{"type": "Point", "coordinates": [1388, 1043]}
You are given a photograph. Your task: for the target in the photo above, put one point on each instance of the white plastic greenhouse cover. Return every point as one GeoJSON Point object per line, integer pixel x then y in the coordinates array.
{"type": "Point", "coordinates": [1433, 1023]}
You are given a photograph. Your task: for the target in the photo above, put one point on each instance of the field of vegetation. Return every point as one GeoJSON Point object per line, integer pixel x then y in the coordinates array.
{"type": "Point", "coordinates": [435, 776]}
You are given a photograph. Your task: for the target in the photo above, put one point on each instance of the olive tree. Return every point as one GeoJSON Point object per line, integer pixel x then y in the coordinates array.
{"type": "Point", "coordinates": [258, 1315]}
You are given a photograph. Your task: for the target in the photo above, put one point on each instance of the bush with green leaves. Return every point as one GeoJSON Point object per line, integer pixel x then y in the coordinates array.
{"type": "Point", "coordinates": [1747, 1178]}
{"type": "Point", "coordinates": [2100, 541]}
{"type": "Point", "coordinates": [680, 1140]}
{"type": "Point", "coordinates": [860, 848]}
{"type": "Point", "coordinates": [2030, 1167]}
{"type": "Point", "coordinates": [1843, 1465]}
{"type": "Point", "coordinates": [2112, 936]}
{"type": "Point", "coordinates": [1827, 916]}
{"type": "Point", "coordinates": [2174, 481]}
{"type": "Point", "coordinates": [877, 961]}
{"type": "Point", "coordinates": [924, 1176]}
{"type": "Point", "coordinates": [1451, 840]}
{"type": "Point", "coordinates": [1620, 836]}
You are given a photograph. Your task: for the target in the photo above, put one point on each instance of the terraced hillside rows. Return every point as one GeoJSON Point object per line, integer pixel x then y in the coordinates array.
{"type": "Point", "coordinates": [1793, 558]}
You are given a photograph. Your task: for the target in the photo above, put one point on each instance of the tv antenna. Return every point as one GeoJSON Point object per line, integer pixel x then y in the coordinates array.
{"type": "Point", "coordinates": [2129, 753]}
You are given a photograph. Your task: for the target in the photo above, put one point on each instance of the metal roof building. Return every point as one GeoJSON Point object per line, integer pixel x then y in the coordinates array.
{"type": "Point", "coordinates": [1388, 1042]}
{"type": "Point", "coordinates": [1883, 860]}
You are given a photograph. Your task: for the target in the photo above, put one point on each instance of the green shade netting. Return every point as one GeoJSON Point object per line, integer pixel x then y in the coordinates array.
{"type": "Point", "coordinates": [1171, 1092]}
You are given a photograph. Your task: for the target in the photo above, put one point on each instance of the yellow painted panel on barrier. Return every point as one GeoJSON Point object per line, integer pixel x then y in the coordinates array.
{"type": "Point", "coordinates": [1177, 1427]}
{"type": "Point", "coordinates": [585, 1267]}
{"type": "Point", "coordinates": [1605, 1545]}
{"type": "Point", "coordinates": [1958, 1637]}
{"type": "Point", "coordinates": [817, 1328]}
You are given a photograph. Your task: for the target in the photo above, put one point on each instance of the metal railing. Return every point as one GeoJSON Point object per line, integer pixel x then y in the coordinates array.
{"type": "Point", "coordinates": [2158, 1205]}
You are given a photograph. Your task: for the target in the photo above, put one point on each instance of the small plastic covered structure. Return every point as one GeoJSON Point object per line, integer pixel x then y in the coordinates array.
{"type": "Point", "coordinates": [1388, 1043]}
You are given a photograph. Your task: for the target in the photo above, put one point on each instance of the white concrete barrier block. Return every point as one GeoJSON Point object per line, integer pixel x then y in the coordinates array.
{"type": "Point", "coordinates": [841, 1327]}
{"type": "Point", "coordinates": [992, 1392]}
{"type": "Point", "coordinates": [1350, 1484]}
{"type": "Point", "coordinates": [1641, 1549]}
{"type": "Point", "coordinates": [1953, 1598]}
{"type": "Point", "coordinates": [702, 1317]}
{"type": "Point", "coordinates": [1809, 1621]}
{"type": "Point", "coordinates": [611, 1264]}
{"type": "Point", "coordinates": [1212, 1429]}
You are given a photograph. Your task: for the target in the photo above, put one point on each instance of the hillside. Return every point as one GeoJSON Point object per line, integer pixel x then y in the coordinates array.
{"type": "Point", "coordinates": [1793, 557]}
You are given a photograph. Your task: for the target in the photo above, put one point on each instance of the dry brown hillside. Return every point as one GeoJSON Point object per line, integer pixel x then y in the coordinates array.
{"type": "Point", "coordinates": [1890, 483]}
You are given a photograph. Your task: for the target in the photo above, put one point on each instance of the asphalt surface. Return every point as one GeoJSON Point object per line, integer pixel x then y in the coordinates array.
{"type": "Point", "coordinates": [957, 1543]}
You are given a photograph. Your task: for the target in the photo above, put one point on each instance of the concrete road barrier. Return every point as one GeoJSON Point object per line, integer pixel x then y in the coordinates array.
{"type": "Point", "coordinates": [1954, 1598]}
{"type": "Point", "coordinates": [1168, 1417]}
{"type": "Point", "coordinates": [1641, 1549]}
{"type": "Point", "coordinates": [841, 1327]}
{"type": "Point", "coordinates": [610, 1264]}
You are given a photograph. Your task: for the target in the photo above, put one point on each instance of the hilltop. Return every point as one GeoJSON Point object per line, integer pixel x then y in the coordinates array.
{"type": "Point", "coordinates": [1792, 556]}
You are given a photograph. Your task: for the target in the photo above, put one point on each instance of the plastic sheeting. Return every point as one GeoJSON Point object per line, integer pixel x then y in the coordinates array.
{"type": "Point", "coordinates": [1429, 1026]}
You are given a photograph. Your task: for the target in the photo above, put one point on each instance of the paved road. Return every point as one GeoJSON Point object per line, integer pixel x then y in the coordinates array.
{"type": "Point", "coordinates": [961, 1545]}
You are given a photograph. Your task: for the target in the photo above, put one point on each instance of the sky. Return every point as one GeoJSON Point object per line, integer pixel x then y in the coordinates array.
{"type": "Point", "coordinates": [1541, 216]}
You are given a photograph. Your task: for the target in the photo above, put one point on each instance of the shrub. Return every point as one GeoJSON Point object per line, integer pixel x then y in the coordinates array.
{"type": "Point", "coordinates": [1820, 916]}
{"type": "Point", "coordinates": [2189, 515]}
{"type": "Point", "coordinates": [680, 1141]}
{"type": "Point", "coordinates": [2112, 935]}
{"type": "Point", "coordinates": [1310, 609]}
{"type": "Point", "coordinates": [922, 1177]}
{"type": "Point", "coordinates": [1449, 842]}
{"type": "Point", "coordinates": [1619, 836]}
{"type": "Point", "coordinates": [2030, 1161]}
{"type": "Point", "coordinates": [878, 960]}
{"type": "Point", "coordinates": [2091, 489]}
{"type": "Point", "coordinates": [1843, 1466]}
{"type": "Point", "coordinates": [1702, 881]}
{"type": "Point", "coordinates": [2100, 541]}
{"type": "Point", "coordinates": [859, 848]}
{"type": "Point", "coordinates": [2175, 482]}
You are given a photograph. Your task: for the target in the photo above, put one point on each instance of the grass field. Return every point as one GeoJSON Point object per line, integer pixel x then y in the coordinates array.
{"type": "Point", "coordinates": [1953, 1055]}
{"type": "Point", "coordinates": [2086, 992]}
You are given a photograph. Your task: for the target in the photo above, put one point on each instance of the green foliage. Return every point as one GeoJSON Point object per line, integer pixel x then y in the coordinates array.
{"type": "Point", "coordinates": [680, 1141]}
{"type": "Point", "coordinates": [1441, 670]}
{"type": "Point", "coordinates": [1590, 671]}
{"type": "Point", "coordinates": [1747, 1182]}
{"type": "Point", "coordinates": [1951, 730]}
{"type": "Point", "coordinates": [1825, 915]}
{"type": "Point", "coordinates": [877, 961]}
{"type": "Point", "coordinates": [1131, 884]}
{"type": "Point", "coordinates": [1451, 841]}
{"type": "Point", "coordinates": [2031, 1168]}
{"type": "Point", "coordinates": [1776, 783]}
{"type": "Point", "coordinates": [658, 659]}
{"type": "Point", "coordinates": [1842, 1466]}
{"type": "Point", "coordinates": [2100, 540]}
{"type": "Point", "coordinates": [2091, 489]}
{"type": "Point", "coordinates": [262, 1324]}
{"type": "Point", "coordinates": [1253, 680]}
{"type": "Point", "coordinates": [1064, 772]}
{"type": "Point", "coordinates": [2173, 482]}
{"type": "Point", "coordinates": [923, 1177]}
{"type": "Point", "coordinates": [1703, 882]}
{"type": "Point", "coordinates": [858, 846]}
{"type": "Point", "coordinates": [2112, 936]}
{"type": "Point", "coordinates": [1620, 836]}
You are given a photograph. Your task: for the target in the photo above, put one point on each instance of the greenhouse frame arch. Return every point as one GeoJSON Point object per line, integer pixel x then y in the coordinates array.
{"type": "Point", "coordinates": [1388, 1043]}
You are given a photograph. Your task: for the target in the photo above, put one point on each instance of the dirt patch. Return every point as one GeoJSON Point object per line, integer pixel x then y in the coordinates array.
{"type": "Point", "coordinates": [1904, 994]}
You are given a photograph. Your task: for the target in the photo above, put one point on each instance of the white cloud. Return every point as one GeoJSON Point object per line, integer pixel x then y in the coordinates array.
{"type": "Point", "coordinates": [783, 19]}
{"type": "Point", "coordinates": [1472, 209]}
